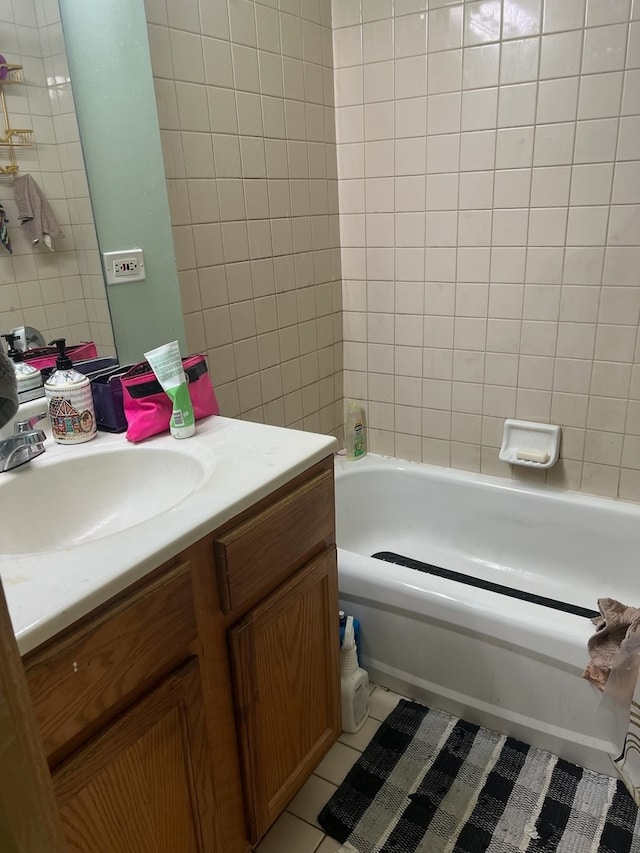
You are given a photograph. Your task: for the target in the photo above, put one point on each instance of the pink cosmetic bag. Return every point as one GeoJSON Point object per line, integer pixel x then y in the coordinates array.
{"type": "Point", "coordinates": [46, 356]}
{"type": "Point", "coordinates": [147, 407]}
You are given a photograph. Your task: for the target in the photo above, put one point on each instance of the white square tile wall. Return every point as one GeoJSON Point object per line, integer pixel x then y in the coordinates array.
{"type": "Point", "coordinates": [245, 95]}
{"type": "Point", "coordinates": [489, 189]}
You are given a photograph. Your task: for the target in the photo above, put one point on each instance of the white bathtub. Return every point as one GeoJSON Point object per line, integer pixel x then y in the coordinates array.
{"type": "Point", "coordinates": [508, 664]}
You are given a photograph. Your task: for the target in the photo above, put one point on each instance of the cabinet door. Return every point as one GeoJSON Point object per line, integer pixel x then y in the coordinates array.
{"type": "Point", "coordinates": [286, 679]}
{"type": "Point", "coordinates": [142, 785]}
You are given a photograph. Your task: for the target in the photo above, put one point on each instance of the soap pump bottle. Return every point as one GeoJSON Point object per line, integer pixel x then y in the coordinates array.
{"type": "Point", "coordinates": [354, 683]}
{"type": "Point", "coordinates": [70, 401]}
{"type": "Point", "coordinates": [356, 437]}
{"type": "Point", "coordinates": [28, 378]}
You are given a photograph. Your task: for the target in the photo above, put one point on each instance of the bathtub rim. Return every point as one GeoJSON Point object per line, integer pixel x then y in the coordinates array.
{"type": "Point", "coordinates": [344, 467]}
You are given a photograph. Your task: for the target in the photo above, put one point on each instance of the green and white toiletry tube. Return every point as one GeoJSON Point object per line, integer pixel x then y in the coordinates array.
{"type": "Point", "coordinates": [166, 363]}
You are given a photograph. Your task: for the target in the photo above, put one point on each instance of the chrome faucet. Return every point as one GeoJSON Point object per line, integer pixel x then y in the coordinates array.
{"type": "Point", "coordinates": [24, 445]}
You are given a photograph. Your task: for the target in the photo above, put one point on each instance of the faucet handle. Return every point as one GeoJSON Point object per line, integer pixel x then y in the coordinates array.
{"type": "Point", "coordinates": [29, 424]}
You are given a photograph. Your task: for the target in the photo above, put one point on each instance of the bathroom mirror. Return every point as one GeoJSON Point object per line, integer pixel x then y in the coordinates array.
{"type": "Point", "coordinates": [105, 51]}
{"type": "Point", "coordinates": [61, 293]}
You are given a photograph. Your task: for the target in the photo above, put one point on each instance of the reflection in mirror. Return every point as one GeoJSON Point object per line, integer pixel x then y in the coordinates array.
{"type": "Point", "coordinates": [60, 293]}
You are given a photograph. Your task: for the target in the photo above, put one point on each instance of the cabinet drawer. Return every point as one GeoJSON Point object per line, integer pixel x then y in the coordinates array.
{"type": "Point", "coordinates": [88, 674]}
{"type": "Point", "coordinates": [261, 552]}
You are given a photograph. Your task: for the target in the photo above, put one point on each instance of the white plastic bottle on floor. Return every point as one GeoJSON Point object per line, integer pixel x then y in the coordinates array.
{"type": "Point", "coordinates": [354, 683]}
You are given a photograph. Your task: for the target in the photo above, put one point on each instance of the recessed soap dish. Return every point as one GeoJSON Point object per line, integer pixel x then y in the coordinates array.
{"type": "Point", "coordinates": [530, 444]}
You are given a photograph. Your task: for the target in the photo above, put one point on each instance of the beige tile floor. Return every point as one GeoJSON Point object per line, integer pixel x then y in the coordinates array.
{"type": "Point", "coordinates": [297, 830]}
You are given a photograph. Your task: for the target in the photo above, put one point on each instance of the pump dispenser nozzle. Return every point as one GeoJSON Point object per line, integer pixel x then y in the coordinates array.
{"type": "Point", "coordinates": [13, 353]}
{"type": "Point", "coordinates": [63, 362]}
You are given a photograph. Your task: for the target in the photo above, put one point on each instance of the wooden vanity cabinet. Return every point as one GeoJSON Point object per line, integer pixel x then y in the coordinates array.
{"type": "Point", "coordinates": [277, 576]}
{"type": "Point", "coordinates": [185, 713]}
{"type": "Point", "coordinates": [284, 657]}
{"type": "Point", "coordinates": [119, 701]}
{"type": "Point", "coordinates": [141, 784]}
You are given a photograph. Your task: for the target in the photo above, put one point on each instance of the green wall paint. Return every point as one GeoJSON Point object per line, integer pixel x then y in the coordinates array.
{"type": "Point", "coordinates": [108, 55]}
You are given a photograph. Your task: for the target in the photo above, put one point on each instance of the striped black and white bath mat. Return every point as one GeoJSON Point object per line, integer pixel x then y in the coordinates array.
{"type": "Point", "coordinates": [432, 783]}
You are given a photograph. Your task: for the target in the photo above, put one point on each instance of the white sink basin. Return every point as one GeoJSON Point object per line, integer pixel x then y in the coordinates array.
{"type": "Point", "coordinates": [64, 501]}
{"type": "Point", "coordinates": [81, 524]}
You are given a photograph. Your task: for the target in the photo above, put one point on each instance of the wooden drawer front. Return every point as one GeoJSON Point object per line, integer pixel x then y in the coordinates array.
{"type": "Point", "coordinates": [257, 555]}
{"type": "Point", "coordinates": [82, 679]}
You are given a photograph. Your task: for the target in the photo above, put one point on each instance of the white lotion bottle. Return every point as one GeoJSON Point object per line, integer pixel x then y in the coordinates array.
{"type": "Point", "coordinates": [69, 401]}
{"type": "Point", "coordinates": [354, 683]}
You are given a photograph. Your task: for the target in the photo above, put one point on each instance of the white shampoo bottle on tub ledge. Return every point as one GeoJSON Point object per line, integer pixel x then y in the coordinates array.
{"type": "Point", "coordinates": [355, 433]}
{"type": "Point", "coordinates": [354, 683]}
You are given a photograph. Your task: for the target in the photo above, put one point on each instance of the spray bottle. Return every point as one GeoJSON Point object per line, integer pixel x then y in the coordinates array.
{"type": "Point", "coordinates": [354, 683]}
{"type": "Point", "coordinates": [342, 621]}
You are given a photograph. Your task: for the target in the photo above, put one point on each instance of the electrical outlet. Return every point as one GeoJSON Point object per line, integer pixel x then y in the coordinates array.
{"type": "Point", "coordinates": [124, 266]}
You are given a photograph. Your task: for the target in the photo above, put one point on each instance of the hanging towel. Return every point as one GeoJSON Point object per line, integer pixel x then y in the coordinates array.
{"type": "Point", "coordinates": [616, 622]}
{"type": "Point", "coordinates": [614, 650]}
{"type": "Point", "coordinates": [8, 390]}
{"type": "Point", "coordinates": [618, 714]}
{"type": "Point", "coordinates": [4, 233]}
{"type": "Point", "coordinates": [34, 212]}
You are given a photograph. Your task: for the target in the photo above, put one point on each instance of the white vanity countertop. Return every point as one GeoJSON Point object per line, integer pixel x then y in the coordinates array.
{"type": "Point", "coordinates": [47, 592]}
